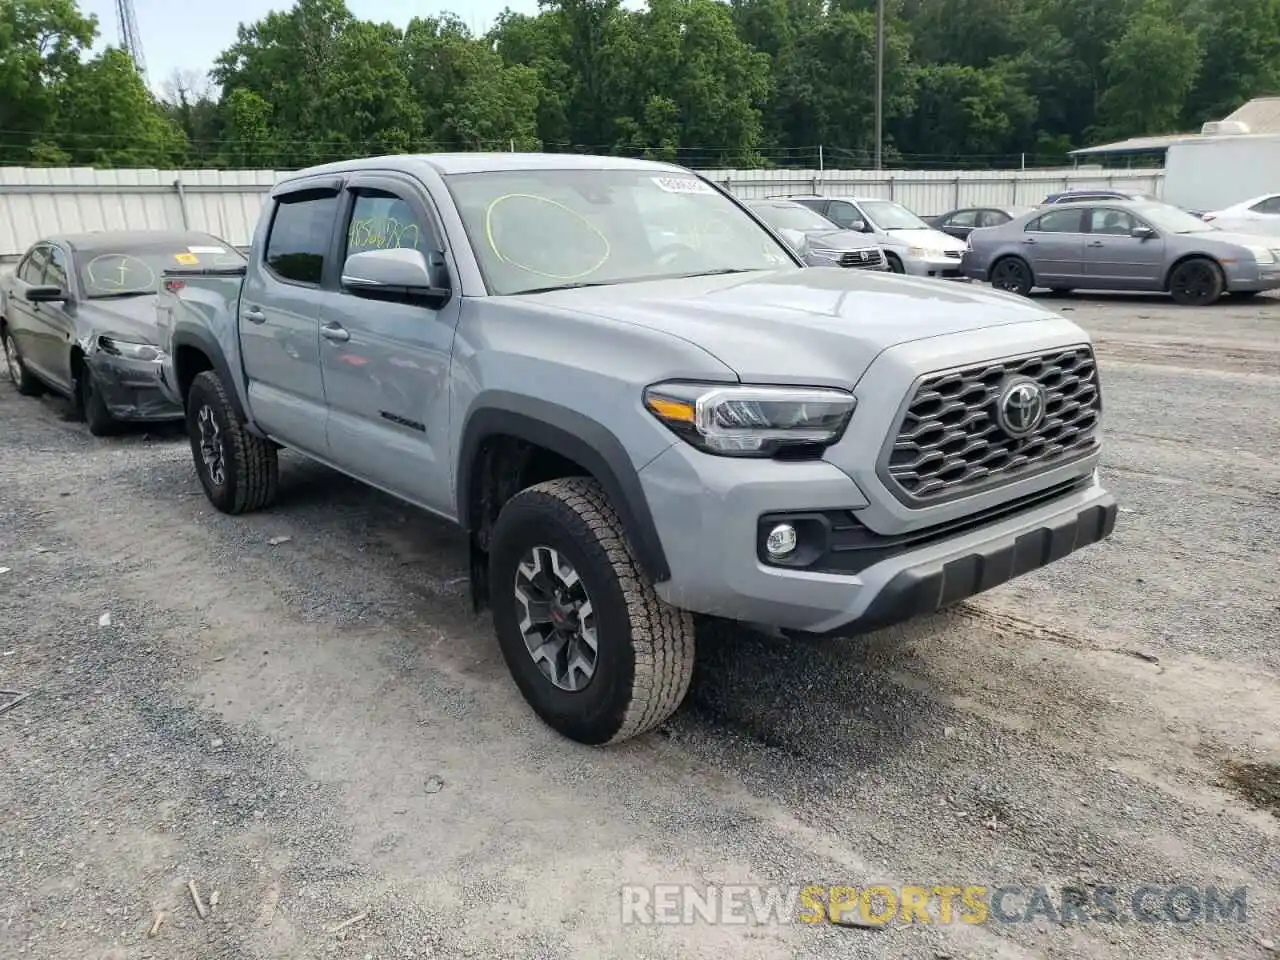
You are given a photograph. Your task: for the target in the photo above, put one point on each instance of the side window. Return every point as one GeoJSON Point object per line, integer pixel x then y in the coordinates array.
{"type": "Point", "coordinates": [842, 213]}
{"type": "Point", "coordinates": [993, 218]}
{"type": "Point", "coordinates": [299, 237]}
{"type": "Point", "coordinates": [383, 221]}
{"type": "Point", "coordinates": [1269, 205]}
{"type": "Point", "coordinates": [1116, 223]}
{"type": "Point", "coordinates": [56, 273]}
{"type": "Point", "coordinates": [816, 205]}
{"type": "Point", "coordinates": [1059, 221]}
{"type": "Point", "coordinates": [965, 218]}
{"type": "Point", "coordinates": [33, 269]}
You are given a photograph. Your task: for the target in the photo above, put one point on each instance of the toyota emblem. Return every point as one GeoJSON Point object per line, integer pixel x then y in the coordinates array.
{"type": "Point", "coordinates": [1020, 408]}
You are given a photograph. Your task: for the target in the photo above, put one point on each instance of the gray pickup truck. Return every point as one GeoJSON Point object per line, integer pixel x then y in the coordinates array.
{"type": "Point", "coordinates": [640, 406]}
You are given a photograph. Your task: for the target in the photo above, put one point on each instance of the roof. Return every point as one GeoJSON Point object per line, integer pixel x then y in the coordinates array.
{"type": "Point", "coordinates": [454, 163]}
{"type": "Point", "coordinates": [115, 239]}
{"type": "Point", "coordinates": [1133, 145]}
{"type": "Point", "coordinates": [1262, 114]}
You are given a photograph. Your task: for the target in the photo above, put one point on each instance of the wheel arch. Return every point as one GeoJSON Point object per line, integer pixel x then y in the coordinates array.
{"type": "Point", "coordinates": [579, 445]}
{"type": "Point", "coordinates": [1013, 255]}
{"type": "Point", "coordinates": [194, 351]}
{"type": "Point", "coordinates": [1168, 275]}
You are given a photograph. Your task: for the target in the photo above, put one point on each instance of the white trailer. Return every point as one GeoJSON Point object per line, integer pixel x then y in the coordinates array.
{"type": "Point", "coordinates": [1221, 167]}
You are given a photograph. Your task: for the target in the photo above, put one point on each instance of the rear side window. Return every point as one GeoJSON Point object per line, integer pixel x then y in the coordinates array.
{"type": "Point", "coordinates": [299, 238]}
{"type": "Point", "coordinates": [1059, 221]}
{"type": "Point", "coordinates": [1269, 205]}
{"type": "Point", "coordinates": [993, 218]}
{"type": "Point", "coordinates": [965, 218]}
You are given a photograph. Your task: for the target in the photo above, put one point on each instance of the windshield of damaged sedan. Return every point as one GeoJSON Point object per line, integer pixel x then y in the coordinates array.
{"type": "Point", "coordinates": [536, 230]}
{"type": "Point", "coordinates": [135, 271]}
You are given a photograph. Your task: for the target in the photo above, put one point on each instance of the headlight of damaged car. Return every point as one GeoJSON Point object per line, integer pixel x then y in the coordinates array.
{"type": "Point", "coordinates": [746, 421]}
{"type": "Point", "coordinates": [1262, 254]}
{"type": "Point", "coordinates": [130, 351]}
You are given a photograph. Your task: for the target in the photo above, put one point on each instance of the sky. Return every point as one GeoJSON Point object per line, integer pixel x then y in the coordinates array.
{"type": "Point", "coordinates": [177, 36]}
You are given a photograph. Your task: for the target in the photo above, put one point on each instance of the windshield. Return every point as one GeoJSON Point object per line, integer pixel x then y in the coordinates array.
{"type": "Point", "coordinates": [891, 215]}
{"type": "Point", "coordinates": [1174, 220]}
{"type": "Point", "coordinates": [135, 271]}
{"type": "Point", "coordinates": [548, 229]}
{"type": "Point", "coordinates": [791, 216]}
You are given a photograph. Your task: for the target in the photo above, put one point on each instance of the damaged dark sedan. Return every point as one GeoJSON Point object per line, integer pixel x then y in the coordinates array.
{"type": "Point", "coordinates": [77, 317]}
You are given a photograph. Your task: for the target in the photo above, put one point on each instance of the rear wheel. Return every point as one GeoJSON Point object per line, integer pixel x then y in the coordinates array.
{"type": "Point", "coordinates": [237, 469]}
{"type": "Point", "coordinates": [1196, 282]}
{"type": "Point", "coordinates": [594, 651]}
{"type": "Point", "coordinates": [1013, 275]}
{"type": "Point", "coordinates": [22, 378]}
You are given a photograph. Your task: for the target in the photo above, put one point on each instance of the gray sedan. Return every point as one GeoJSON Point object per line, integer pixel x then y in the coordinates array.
{"type": "Point", "coordinates": [818, 241]}
{"type": "Point", "coordinates": [1122, 245]}
{"type": "Point", "coordinates": [78, 317]}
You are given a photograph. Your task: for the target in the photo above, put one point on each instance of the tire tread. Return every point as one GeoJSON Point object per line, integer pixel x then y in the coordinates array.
{"type": "Point", "coordinates": [255, 460]}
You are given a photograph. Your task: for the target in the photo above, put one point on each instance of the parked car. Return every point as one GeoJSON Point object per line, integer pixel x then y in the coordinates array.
{"type": "Point", "coordinates": [1096, 196]}
{"type": "Point", "coordinates": [632, 433]}
{"type": "Point", "coordinates": [77, 316]}
{"type": "Point", "coordinates": [910, 245]}
{"type": "Point", "coordinates": [960, 223]}
{"type": "Point", "coordinates": [1122, 245]}
{"type": "Point", "coordinates": [1259, 215]}
{"type": "Point", "coordinates": [819, 242]}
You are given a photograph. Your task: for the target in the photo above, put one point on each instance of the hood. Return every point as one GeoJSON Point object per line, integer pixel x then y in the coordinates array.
{"type": "Point", "coordinates": [840, 240]}
{"type": "Point", "coordinates": [128, 318]}
{"type": "Point", "coordinates": [1243, 234]}
{"type": "Point", "coordinates": [928, 238]}
{"type": "Point", "coordinates": [814, 325]}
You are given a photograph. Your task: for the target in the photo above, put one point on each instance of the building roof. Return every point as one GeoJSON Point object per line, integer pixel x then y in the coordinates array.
{"type": "Point", "coordinates": [1133, 145]}
{"type": "Point", "coordinates": [1261, 114]}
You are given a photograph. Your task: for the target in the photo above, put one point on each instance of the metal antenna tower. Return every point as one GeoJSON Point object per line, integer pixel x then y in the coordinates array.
{"type": "Point", "coordinates": [130, 38]}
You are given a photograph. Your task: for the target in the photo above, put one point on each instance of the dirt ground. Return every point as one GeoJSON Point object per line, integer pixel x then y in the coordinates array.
{"type": "Point", "coordinates": [319, 730]}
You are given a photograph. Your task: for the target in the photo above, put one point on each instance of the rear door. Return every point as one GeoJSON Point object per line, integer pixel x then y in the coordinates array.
{"type": "Point", "coordinates": [385, 360]}
{"type": "Point", "coordinates": [280, 317]}
{"type": "Point", "coordinates": [1054, 246]}
{"type": "Point", "coordinates": [1116, 260]}
{"type": "Point", "coordinates": [960, 224]}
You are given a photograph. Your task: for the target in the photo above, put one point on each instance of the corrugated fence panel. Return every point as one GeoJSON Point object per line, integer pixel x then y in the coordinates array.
{"type": "Point", "coordinates": [37, 202]}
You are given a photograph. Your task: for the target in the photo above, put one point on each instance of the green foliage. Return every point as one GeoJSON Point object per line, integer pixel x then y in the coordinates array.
{"type": "Point", "coordinates": [704, 82]}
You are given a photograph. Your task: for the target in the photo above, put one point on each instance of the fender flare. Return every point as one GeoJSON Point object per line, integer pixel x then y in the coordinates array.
{"type": "Point", "coordinates": [204, 341]}
{"type": "Point", "coordinates": [576, 437]}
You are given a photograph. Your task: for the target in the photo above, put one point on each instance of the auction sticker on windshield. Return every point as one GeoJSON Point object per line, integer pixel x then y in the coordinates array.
{"type": "Point", "coordinates": [186, 259]}
{"type": "Point", "coordinates": [682, 185]}
{"type": "Point", "coordinates": [206, 249]}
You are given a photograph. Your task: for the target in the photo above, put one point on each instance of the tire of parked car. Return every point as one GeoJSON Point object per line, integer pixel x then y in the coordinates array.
{"type": "Point", "coordinates": [895, 265]}
{"type": "Point", "coordinates": [1013, 275]}
{"type": "Point", "coordinates": [239, 471]}
{"type": "Point", "coordinates": [592, 648]}
{"type": "Point", "coordinates": [1196, 282]}
{"type": "Point", "coordinates": [23, 378]}
{"type": "Point", "coordinates": [92, 406]}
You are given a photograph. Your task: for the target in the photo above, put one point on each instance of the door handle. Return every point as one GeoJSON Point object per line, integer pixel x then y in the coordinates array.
{"type": "Point", "coordinates": [1028, 239]}
{"type": "Point", "coordinates": [1097, 243]}
{"type": "Point", "coordinates": [334, 332]}
{"type": "Point", "coordinates": [254, 315]}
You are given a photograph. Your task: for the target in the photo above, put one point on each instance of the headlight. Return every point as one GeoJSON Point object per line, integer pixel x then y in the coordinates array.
{"type": "Point", "coordinates": [925, 253]}
{"type": "Point", "coordinates": [1262, 254]}
{"type": "Point", "coordinates": [130, 351]}
{"type": "Point", "coordinates": [743, 421]}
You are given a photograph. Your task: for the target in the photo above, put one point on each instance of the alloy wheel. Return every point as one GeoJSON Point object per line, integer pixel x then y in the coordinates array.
{"type": "Point", "coordinates": [557, 620]}
{"type": "Point", "coordinates": [211, 445]}
{"type": "Point", "coordinates": [11, 361]}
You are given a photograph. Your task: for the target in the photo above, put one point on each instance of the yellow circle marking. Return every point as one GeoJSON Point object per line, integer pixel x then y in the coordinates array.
{"type": "Point", "coordinates": [119, 275]}
{"type": "Point", "coordinates": [488, 231]}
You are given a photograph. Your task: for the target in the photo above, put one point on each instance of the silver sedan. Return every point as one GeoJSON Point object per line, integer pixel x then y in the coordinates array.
{"type": "Point", "coordinates": [1122, 245]}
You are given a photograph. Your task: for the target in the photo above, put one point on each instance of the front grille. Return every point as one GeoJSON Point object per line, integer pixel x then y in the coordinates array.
{"type": "Point", "coordinates": [949, 442]}
{"type": "Point", "coordinates": [954, 254]}
{"type": "Point", "coordinates": [861, 258]}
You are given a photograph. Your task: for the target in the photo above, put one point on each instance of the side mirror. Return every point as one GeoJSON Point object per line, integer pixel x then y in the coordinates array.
{"type": "Point", "coordinates": [1142, 233]}
{"type": "Point", "coordinates": [396, 273]}
{"type": "Point", "coordinates": [860, 226]}
{"type": "Point", "coordinates": [44, 294]}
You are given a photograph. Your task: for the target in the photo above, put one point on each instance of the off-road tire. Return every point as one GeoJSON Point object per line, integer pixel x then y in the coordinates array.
{"type": "Point", "coordinates": [645, 648]}
{"type": "Point", "coordinates": [93, 409]}
{"type": "Point", "coordinates": [1196, 282]}
{"type": "Point", "coordinates": [250, 464]}
{"type": "Point", "coordinates": [26, 383]}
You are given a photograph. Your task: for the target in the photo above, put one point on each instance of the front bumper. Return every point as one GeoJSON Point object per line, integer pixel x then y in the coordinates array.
{"type": "Point", "coordinates": [131, 389]}
{"type": "Point", "coordinates": [708, 516]}
{"type": "Point", "coordinates": [1253, 276]}
{"type": "Point", "coordinates": [946, 268]}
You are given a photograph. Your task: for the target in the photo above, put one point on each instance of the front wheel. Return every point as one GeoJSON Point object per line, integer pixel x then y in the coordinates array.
{"type": "Point", "coordinates": [594, 651]}
{"type": "Point", "coordinates": [895, 265]}
{"type": "Point", "coordinates": [93, 408]}
{"type": "Point", "coordinates": [1196, 282]}
{"type": "Point", "coordinates": [1012, 275]}
{"type": "Point", "coordinates": [237, 469]}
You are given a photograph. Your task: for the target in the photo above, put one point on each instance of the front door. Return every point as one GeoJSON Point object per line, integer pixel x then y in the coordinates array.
{"type": "Point", "coordinates": [1117, 260]}
{"type": "Point", "coordinates": [1054, 246]}
{"type": "Point", "coordinates": [386, 361]}
{"type": "Point", "coordinates": [280, 311]}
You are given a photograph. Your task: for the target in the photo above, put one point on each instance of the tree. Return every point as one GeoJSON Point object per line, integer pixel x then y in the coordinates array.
{"type": "Point", "coordinates": [1240, 41]}
{"type": "Point", "coordinates": [1150, 70]}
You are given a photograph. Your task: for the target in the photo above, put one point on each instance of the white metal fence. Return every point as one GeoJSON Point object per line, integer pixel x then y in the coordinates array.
{"type": "Point", "coordinates": [36, 202]}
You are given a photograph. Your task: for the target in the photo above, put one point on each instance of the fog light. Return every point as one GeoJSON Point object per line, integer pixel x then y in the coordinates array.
{"type": "Point", "coordinates": [781, 540]}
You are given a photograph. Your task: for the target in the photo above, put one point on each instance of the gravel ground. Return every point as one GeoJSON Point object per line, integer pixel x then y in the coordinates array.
{"type": "Point", "coordinates": [318, 729]}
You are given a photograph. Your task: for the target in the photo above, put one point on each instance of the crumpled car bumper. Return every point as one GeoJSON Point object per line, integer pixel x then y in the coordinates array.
{"type": "Point", "coordinates": [131, 388]}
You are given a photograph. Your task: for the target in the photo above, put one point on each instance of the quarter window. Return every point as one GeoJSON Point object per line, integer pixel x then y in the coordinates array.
{"type": "Point", "coordinates": [1059, 221]}
{"type": "Point", "coordinates": [965, 218]}
{"type": "Point", "coordinates": [993, 218]}
{"type": "Point", "coordinates": [299, 237]}
{"type": "Point", "coordinates": [1269, 205]}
